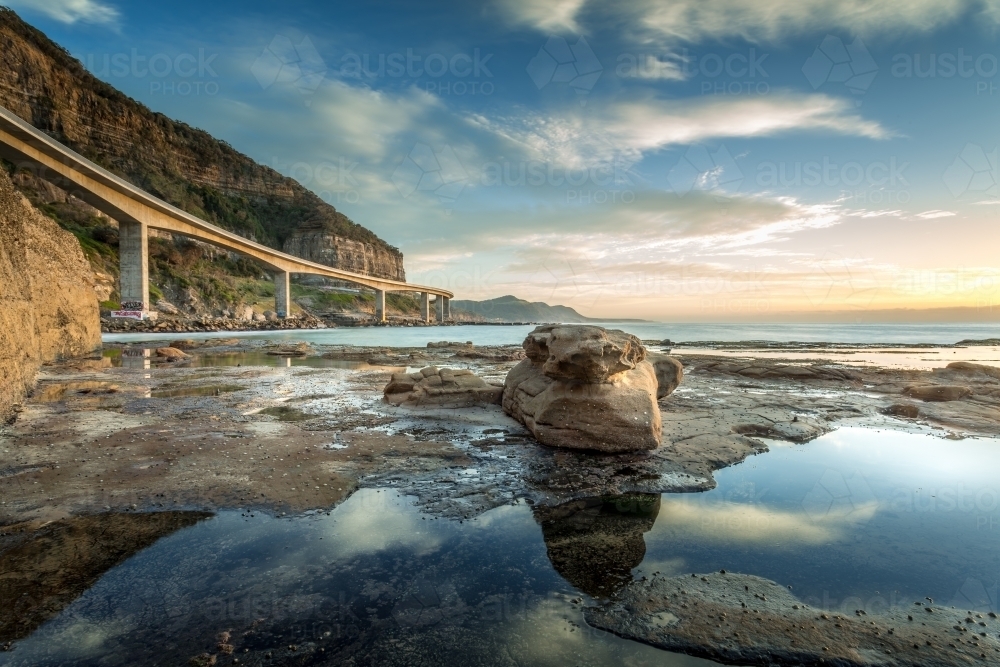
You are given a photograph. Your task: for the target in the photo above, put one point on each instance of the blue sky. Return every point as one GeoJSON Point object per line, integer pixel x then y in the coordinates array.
{"type": "Point", "coordinates": [686, 160]}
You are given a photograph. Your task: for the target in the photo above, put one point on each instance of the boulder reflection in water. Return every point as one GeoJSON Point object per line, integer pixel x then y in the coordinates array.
{"type": "Point", "coordinates": [594, 543]}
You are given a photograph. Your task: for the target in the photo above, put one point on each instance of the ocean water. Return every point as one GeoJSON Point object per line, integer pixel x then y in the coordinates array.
{"type": "Point", "coordinates": [879, 334]}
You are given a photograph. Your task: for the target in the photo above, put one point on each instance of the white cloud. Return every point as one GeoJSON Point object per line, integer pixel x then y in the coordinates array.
{"type": "Point", "coordinates": [70, 11]}
{"type": "Point", "coordinates": [545, 15]}
{"type": "Point", "coordinates": [366, 121]}
{"type": "Point", "coordinates": [632, 128]}
{"type": "Point", "coordinates": [693, 20]}
{"type": "Point", "coordinates": [930, 215]}
{"type": "Point", "coordinates": [744, 524]}
{"type": "Point", "coordinates": [398, 524]}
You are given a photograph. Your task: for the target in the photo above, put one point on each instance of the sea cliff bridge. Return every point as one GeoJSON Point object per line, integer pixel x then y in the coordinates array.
{"type": "Point", "coordinates": [137, 211]}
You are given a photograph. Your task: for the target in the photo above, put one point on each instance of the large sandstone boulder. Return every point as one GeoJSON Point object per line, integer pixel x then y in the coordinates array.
{"type": "Point", "coordinates": [441, 388]}
{"type": "Point", "coordinates": [585, 387]}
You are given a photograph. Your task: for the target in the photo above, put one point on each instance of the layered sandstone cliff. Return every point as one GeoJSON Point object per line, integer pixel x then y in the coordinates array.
{"type": "Point", "coordinates": [48, 306]}
{"type": "Point", "coordinates": [319, 245]}
{"type": "Point", "coordinates": [185, 166]}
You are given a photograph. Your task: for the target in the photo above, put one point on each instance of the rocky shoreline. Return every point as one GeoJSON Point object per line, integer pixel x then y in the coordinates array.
{"type": "Point", "coordinates": [293, 427]}
{"type": "Point", "coordinates": [210, 324]}
{"type": "Point", "coordinates": [81, 402]}
{"type": "Point", "coordinates": [740, 619]}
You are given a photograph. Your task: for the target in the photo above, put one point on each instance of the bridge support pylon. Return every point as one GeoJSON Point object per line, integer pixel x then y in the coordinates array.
{"type": "Point", "coordinates": [447, 307]}
{"type": "Point", "coordinates": [380, 305]}
{"type": "Point", "coordinates": [133, 276]}
{"type": "Point", "coordinates": [439, 308]}
{"type": "Point", "coordinates": [425, 307]}
{"type": "Point", "coordinates": [282, 290]}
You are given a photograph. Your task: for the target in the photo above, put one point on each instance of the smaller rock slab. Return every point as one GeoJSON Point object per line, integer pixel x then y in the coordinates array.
{"type": "Point", "coordinates": [937, 392]}
{"type": "Point", "coordinates": [746, 620]}
{"type": "Point", "coordinates": [434, 387]}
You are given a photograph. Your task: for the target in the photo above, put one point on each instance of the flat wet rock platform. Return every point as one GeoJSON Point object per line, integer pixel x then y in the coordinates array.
{"type": "Point", "coordinates": [236, 507]}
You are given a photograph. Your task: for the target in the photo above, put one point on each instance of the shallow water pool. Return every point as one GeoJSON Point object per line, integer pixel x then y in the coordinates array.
{"type": "Point", "coordinates": [856, 519]}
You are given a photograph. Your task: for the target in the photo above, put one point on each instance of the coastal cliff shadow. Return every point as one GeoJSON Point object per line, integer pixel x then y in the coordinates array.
{"type": "Point", "coordinates": [44, 570]}
{"type": "Point", "coordinates": [594, 543]}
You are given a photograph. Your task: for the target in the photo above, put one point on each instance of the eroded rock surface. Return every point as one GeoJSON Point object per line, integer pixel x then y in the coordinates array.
{"type": "Point", "coordinates": [583, 387]}
{"type": "Point", "coordinates": [441, 388]}
{"type": "Point", "coordinates": [171, 353]}
{"type": "Point", "coordinates": [746, 620]}
{"type": "Point", "coordinates": [48, 306]}
{"type": "Point", "coordinates": [937, 392]}
{"type": "Point", "coordinates": [669, 373]}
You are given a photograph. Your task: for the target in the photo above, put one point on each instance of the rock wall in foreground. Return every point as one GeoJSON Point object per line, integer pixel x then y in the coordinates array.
{"type": "Point", "coordinates": [48, 306]}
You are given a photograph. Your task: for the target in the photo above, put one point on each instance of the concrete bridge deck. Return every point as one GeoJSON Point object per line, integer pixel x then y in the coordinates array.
{"type": "Point", "coordinates": [137, 211]}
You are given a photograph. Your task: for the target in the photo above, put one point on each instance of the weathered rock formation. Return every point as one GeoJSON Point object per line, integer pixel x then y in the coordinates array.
{"type": "Point", "coordinates": [902, 410]}
{"type": "Point", "coordinates": [171, 353]}
{"type": "Point", "coordinates": [321, 245]}
{"type": "Point", "coordinates": [968, 368]}
{"type": "Point", "coordinates": [669, 373]}
{"type": "Point", "coordinates": [48, 306]}
{"type": "Point", "coordinates": [739, 619]}
{"type": "Point", "coordinates": [441, 388]}
{"type": "Point", "coordinates": [584, 387]}
{"type": "Point", "coordinates": [937, 392]}
{"type": "Point", "coordinates": [187, 167]}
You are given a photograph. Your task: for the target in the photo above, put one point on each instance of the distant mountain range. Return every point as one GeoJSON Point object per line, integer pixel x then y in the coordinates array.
{"type": "Point", "coordinates": [512, 309]}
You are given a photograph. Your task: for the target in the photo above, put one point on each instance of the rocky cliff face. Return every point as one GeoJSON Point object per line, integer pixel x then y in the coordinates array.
{"type": "Point", "coordinates": [319, 245]}
{"type": "Point", "coordinates": [48, 306]}
{"type": "Point", "coordinates": [187, 167]}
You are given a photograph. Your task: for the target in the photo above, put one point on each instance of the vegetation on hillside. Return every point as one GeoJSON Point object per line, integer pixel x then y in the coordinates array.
{"type": "Point", "coordinates": [185, 166]}
{"type": "Point", "coordinates": [193, 276]}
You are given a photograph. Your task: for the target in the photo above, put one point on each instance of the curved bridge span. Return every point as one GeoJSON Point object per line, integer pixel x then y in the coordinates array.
{"type": "Point", "coordinates": [137, 211]}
